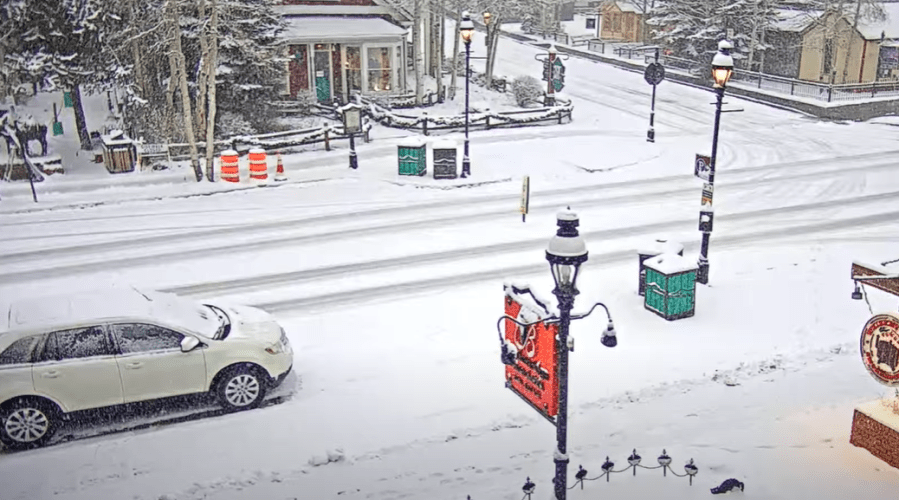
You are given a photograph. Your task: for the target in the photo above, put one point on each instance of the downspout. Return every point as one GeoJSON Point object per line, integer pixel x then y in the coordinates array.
{"type": "Point", "coordinates": [861, 68]}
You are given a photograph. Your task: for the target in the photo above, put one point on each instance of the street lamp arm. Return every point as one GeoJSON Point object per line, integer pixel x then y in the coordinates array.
{"type": "Point", "coordinates": [525, 325]}
{"type": "Point", "coordinates": [582, 316]}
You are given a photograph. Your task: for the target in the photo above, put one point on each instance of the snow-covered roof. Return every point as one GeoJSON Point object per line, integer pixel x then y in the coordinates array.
{"type": "Point", "coordinates": [794, 20]}
{"type": "Point", "coordinates": [114, 303]}
{"type": "Point", "coordinates": [625, 6]}
{"type": "Point", "coordinates": [889, 27]}
{"type": "Point", "coordinates": [336, 28]}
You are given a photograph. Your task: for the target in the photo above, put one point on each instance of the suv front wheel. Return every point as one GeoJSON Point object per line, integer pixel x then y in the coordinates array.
{"type": "Point", "coordinates": [27, 423]}
{"type": "Point", "coordinates": [241, 388]}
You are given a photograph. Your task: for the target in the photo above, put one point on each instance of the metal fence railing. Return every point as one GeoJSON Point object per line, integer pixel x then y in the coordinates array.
{"type": "Point", "coordinates": [844, 92]}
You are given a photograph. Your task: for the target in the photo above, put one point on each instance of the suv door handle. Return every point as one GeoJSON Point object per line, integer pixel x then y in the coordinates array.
{"type": "Point", "coordinates": [134, 366]}
{"type": "Point", "coordinates": [50, 374]}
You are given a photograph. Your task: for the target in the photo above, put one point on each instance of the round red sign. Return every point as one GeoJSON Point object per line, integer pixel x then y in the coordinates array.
{"type": "Point", "coordinates": [880, 348]}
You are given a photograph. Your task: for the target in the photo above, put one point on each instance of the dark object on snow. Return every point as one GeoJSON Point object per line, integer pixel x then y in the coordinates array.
{"type": "Point", "coordinates": [727, 485]}
{"type": "Point", "coordinates": [26, 133]}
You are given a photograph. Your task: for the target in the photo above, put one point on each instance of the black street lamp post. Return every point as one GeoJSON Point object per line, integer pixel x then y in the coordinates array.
{"type": "Point", "coordinates": [466, 29]}
{"type": "Point", "coordinates": [565, 253]}
{"type": "Point", "coordinates": [722, 70]}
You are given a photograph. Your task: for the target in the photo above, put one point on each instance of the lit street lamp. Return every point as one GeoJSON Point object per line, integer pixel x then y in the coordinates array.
{"type": "Point", "coordinates": [722, 70]}
{"type": "Point", "coordinates": [466, 29]}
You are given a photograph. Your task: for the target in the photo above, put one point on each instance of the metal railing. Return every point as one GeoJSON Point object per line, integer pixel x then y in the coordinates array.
{"type": "Point", "coordinates": [844, 92]}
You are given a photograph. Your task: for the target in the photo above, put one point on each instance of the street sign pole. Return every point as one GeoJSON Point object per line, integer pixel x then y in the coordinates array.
{"type": "Point", "coordinates": [653, 75]}
{"type": "Point", "coordinates": [525, 197]}
{"type": "Point", "coordinates": [651, 133]}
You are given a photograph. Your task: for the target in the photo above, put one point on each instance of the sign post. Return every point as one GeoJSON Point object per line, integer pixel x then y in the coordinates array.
{"type": "Point", "coordinates": [525, 197]}
{"type": "Point", "coordinates": [352, 124]}
{"type": "Point", "coordinates": [653, 75]}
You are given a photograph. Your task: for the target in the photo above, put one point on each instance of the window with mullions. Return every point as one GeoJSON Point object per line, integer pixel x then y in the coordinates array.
{"type": "Point", "coordinates": [353, 69]}
{"type": "Point", "coordinates": [379, 69]}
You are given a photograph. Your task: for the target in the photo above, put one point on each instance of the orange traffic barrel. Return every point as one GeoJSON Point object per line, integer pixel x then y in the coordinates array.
{"type": "Point", "coordinates": [229, 166]}
{"type": "Point", "coordinates": [258, 165]}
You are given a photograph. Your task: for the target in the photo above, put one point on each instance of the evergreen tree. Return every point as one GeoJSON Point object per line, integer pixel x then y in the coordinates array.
{"type": "Point", "coordinates": [57, 44]}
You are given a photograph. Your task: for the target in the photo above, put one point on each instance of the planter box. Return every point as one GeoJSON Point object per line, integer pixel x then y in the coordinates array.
{"type": "Point", "coordinates": [413, 157]}
{"type": "Point", "coordinates": [875, 427]}
{"type": "Point", "coordinates": [670, 286]}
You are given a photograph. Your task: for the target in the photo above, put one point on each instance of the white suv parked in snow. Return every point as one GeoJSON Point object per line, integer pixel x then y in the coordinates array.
{"type": "Point", "coordinates": [84, 351]}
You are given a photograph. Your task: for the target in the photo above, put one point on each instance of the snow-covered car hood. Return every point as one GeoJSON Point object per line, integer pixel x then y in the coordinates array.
{"type": "Point", "coordinates": [253, 323]}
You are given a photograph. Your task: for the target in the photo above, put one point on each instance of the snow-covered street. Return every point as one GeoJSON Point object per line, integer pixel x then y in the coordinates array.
{"type": "Point", "coordinates": [390, 287]}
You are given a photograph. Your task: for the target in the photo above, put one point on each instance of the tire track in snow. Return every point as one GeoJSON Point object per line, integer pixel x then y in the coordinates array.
{"type": "Point", "coordinates": [404, 288]}
{"type": "Point", "coordinates": [230, 247]}
{"type": "Point", "coordinates": [246, 230]}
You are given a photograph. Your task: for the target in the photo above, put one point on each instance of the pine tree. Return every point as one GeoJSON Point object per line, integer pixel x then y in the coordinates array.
{"type": "Point", "coordinates": [57, 44]}
{"type": "Point", "coordinates": [692, 28]}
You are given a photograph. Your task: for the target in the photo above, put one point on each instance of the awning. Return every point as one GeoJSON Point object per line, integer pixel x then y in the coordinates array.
{"type": "Point", "coordinates": [318, 29]}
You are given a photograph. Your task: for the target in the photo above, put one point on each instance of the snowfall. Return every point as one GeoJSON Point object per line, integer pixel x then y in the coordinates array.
{"type": "Point", "coordinates": [390, 288]}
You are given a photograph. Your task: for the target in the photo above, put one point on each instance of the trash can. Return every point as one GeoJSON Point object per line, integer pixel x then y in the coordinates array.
{"type": "Point", "coordinates": [412, 156]}
{"type": "Point", "coordinates": [670, 286]}
{"type": "Point", "coordinates": [652, 249]}
{"type": "Point", "coordinates": [444, 159]}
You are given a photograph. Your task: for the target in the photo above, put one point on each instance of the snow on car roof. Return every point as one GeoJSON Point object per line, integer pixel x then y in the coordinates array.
{"type": "Point", "coordinates": [108, 304]}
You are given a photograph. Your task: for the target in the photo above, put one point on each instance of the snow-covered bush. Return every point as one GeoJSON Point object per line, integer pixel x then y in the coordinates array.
{"type": "Point", "coordinates": [230, 124]}
{"type": "Point", "coordinates": [526, 90]}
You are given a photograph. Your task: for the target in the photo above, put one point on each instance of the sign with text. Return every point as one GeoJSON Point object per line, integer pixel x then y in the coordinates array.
{"type": "Point", "coordinates": [702, 167]}
{"type": "Point", "coordinates": [525, 195]}
{"type": "Point", "coordinates": [880, 348]}
{"type": "Point", "coordinates": [707, 191]}
{"type": "Point", "coordinates": [533, 376]}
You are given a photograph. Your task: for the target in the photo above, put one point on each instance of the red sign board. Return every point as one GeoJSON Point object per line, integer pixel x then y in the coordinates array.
{"type": "Point", "coordinates": [880, 348]}
{"type": "Point", "coordinates": [534, 374]}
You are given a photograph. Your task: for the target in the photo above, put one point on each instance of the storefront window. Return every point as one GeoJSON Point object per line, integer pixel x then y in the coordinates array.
{"type": "Point", "coordinates": [379, 69]}
{"type": "Point", "coordinates": [354, 69]}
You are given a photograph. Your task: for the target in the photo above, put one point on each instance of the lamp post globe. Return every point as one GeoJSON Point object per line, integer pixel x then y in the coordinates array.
{"type": "Point", "coordinates": [466, 28]}
{"type": "Point", "coordinates": [566, 251]}
{"type": "Point", "coordinates": [723, 64]}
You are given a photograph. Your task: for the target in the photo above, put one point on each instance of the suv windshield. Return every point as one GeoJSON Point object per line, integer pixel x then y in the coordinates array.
{"type": "Point", "coordinates": [224, 323]}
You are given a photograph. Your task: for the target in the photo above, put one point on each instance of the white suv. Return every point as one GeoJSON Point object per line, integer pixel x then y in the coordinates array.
{"type": "Point", "coordinates": [77, 352]}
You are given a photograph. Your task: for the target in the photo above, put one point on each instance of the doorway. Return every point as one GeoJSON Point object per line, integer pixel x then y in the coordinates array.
{"type": "Point", "coordinates": [321, 62]}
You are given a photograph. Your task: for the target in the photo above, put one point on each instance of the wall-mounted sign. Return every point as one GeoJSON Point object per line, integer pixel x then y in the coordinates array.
{"type": "Point", "coordinates": [880, 348]}
{"type": "Point", "coordinates": [533, 375]}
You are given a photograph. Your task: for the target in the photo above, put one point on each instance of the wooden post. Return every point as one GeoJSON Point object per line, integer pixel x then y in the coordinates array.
{"type": "Point", "coordinates": [327, 139]}
{"type": "Point", "coordinates": [424, 123]}
{"type": "Point", "coordinates": [487, 117]}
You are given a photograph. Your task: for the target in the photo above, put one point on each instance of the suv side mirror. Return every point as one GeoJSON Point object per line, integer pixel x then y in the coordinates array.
{"type": "Point", "coordinates": [189, 343]}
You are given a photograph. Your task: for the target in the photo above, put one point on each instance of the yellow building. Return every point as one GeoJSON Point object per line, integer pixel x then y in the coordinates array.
{"type": "Point", "coordinates": [621, 21]}
{"type": "Point", "coordinates": [827, 48]}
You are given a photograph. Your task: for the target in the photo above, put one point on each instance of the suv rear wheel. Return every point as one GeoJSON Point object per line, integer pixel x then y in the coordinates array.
{"type": "Point", "coordinates": [27, 423]}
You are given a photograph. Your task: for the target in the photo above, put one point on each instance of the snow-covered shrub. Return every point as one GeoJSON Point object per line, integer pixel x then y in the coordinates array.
{"type": "Point", "coordinates": [526, 90]}
{"type": "Point", "coordinates": [231, 124]}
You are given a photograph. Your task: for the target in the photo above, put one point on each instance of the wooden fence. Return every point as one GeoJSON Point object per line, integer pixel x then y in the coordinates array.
{"type": "Point", "coordinates": [478, 121]}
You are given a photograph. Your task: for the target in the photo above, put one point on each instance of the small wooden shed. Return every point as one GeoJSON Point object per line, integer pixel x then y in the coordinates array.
{"type": "Point", "coordinates": [119, 152]}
